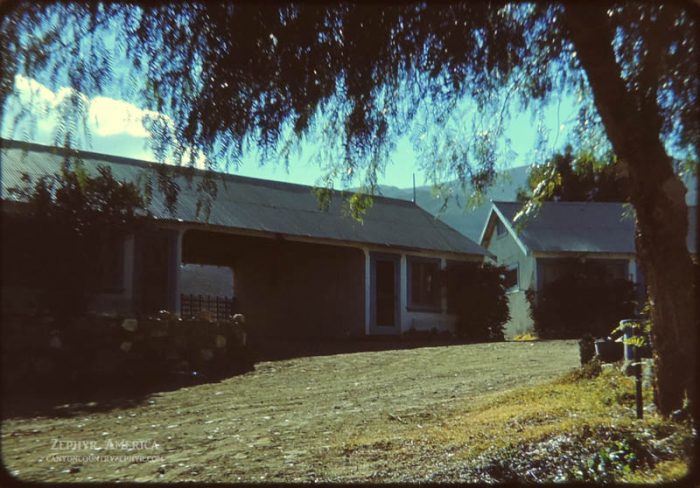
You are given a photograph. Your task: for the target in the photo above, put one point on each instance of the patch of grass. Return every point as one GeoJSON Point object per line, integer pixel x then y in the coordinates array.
{"type": "Point", "coordinates": [588, 371]}
{"type": "Point", "coordinates": [475, 412]}
{"type": "Point", "coordinates": [675, 469]}
{"type": "Point", "coordinates": [579, 427]}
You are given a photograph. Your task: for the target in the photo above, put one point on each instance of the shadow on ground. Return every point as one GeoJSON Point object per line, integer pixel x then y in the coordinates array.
{"type": "Point", "coordinates": [290, 349]}
{"type": "Point", "coordinates": [78, 398]}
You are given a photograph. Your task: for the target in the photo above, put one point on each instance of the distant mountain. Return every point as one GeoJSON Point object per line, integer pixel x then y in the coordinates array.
{"type": "Point", "coordinates": [470, 222]}
{"type": "Point", "coordinates": [467, 221]}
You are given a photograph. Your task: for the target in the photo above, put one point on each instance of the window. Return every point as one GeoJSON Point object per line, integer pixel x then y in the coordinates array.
{"type": "Point", "coordinates": [424, 286]}
{"type": "Point", "coordinates": [500, 228]}
{"type": "Point", "coordinates": [552, 269]}
{"type": "Point", "coordinates": [511, 278]}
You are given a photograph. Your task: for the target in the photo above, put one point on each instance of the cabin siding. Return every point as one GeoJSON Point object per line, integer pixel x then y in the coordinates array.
{"type": "Point", "coordinates": [509, 254]}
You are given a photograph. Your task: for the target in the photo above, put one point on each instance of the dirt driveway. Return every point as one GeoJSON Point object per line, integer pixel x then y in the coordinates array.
{"type": "Point", "coordinates": [289, 420]}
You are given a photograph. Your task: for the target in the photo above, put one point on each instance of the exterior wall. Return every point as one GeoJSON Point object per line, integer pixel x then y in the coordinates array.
{"type": "Point", "coordinates": [627, 261]}
{"type": "Point", "coordinates": [520, 315]}
{"type": "Point", "coordinates": [19, 291]}
{"type": "Point", "coordinates": [410, 319]}
{"type": "Point", "coordinates": [286, 288]}
{"type": "Point", "coordinates": [509, 253]}
{"type": "Point", "coordinates": [289, 288]}
{"type": "Point", "coordinates": [419, 320]}
{"type": "Point", "coordinates": [155, 271]}
{"type": "Point", "coordinates": [120, 303]}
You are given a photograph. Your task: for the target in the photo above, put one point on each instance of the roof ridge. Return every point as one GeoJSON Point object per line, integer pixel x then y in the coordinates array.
{"type": "Point", "coordinates": [568, 202]}
{"type": "Point", "coordinates": [110, 158]}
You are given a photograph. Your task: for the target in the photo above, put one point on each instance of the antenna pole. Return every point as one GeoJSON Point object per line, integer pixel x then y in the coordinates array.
{"type": "Point", "coordinates": [414, 188]}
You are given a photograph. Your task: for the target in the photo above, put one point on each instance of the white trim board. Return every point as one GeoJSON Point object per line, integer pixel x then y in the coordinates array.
{"type": "Point", "coordinates": [508, 226]}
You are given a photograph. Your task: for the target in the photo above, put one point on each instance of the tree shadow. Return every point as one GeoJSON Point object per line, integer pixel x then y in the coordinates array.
{"type": "Point", "coordinates": [74, 399]}
{"type": "Point", "coordinates": [278, 350]}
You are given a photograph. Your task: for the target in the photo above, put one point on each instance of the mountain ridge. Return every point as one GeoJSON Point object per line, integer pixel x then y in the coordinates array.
{"type": "Point", "coordinates": [470, 221]}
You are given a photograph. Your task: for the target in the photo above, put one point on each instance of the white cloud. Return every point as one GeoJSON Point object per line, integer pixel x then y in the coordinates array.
{"type": "Point", "coordinates": [107, 117]}
{"type": "Point", "coordinates": [111, 117]}
{"type": "Point", "coordinates": [31, 91]}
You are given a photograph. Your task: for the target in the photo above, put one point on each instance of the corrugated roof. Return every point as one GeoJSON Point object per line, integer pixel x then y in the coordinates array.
{"type": "Point", "coordinates": [583, 227]}
{"type": "Point", "coordinates": [259, 205]}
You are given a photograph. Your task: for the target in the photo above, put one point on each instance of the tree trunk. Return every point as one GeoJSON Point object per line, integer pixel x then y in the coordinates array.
{"type": "Point", "coordinates": [658, 196]}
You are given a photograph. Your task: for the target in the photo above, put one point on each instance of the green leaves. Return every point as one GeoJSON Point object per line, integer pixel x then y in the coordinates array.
{"type": "Point", "coordinates": [358, 205]}
{"type": "Point", "coordinates": [324, 196]}
{"type": "Point", "coordinates": [75, 223]}
{"type": "Point", "coordinates": [351, 77]}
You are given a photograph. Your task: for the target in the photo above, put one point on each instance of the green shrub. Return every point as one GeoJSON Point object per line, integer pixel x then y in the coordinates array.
{"type": "Point", "coordinates": [584, 301]}
{"type": "Point", "coordinates": [74, 224]}
{"type": "Point", "coordinates": [476, 294]}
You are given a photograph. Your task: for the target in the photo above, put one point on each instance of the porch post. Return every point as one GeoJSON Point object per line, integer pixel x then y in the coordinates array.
{"type": "Point", "coordinates": [632, 271]}
{"type": "Point", "coordinates": [443, 289]}
{"type": "Point", "coordinates": [129, 273]}
{"type": "Point", "coordinates": [402, 288]}
{"type": "Point", "coordinates": [177, 261]}
{"type": "Point", "coordinates": [368, 296]}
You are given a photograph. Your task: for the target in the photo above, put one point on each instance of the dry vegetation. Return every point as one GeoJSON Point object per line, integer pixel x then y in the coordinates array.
{"type": "Point", "coordinates": [457, 413]}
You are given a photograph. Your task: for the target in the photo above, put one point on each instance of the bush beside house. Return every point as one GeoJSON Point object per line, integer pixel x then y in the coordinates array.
{"type": "Point", "coordinates": [583, 301]}
{"type": "Point", "coordinates": [476, 294]}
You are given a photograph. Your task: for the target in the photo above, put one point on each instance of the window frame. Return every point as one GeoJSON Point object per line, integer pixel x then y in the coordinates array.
{"type": "Point", "coordinates": [498, 226]}
{"type": "Point", "coordinates": [411, 305]}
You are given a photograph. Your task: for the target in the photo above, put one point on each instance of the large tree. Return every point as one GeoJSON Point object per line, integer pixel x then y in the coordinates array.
{"type": "Point", "coordinates": [575, 178]}
{"type": "Point", "coordinates": [356, 76]}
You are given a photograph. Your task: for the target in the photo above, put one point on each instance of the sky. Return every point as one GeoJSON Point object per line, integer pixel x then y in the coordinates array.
{"type": "Point", "coordinates": [117, 127]}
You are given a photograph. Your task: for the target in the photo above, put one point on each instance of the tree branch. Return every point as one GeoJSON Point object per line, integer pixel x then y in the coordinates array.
{"type": "Point", "coordinates": [633, 133]}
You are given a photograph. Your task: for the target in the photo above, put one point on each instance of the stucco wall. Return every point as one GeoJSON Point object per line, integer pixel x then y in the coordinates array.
{"type": "Point", "coordinates": [285, 288]}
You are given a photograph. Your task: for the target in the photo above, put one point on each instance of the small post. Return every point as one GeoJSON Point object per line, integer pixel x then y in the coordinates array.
{"type": "Point", "coordinates": [631, 328]}
{"type": "Point", "coordinates": [638, 382]}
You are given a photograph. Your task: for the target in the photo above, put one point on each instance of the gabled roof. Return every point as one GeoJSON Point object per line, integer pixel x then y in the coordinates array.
{"type": "Point", "coordinates": [256, 204]}
{"type": "Point", "coordinates": [591, 227]}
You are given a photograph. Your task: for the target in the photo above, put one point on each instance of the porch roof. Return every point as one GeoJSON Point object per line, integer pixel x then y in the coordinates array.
{"type": "Point", "coordinates": [252, 204]}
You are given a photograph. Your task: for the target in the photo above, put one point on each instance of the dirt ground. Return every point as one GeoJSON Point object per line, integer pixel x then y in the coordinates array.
{"type": "Point", "coordinates": [293, 420]}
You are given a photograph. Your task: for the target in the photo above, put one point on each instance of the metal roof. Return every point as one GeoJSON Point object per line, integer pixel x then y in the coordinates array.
{"type": "Point", "coordinates": [582, 227]}
{"type": "Point", "coordinates": [255, 204]}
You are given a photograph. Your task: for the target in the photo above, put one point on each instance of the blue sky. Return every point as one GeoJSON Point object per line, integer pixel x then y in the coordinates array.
{"type": "Point", "coordinates": [116, 128]}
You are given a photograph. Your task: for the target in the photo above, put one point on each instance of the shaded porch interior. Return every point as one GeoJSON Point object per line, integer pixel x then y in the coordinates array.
{"type": "Point", "coordinates": [285, 288]}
